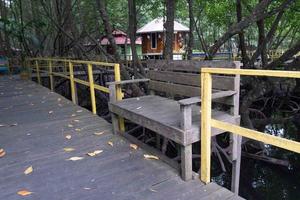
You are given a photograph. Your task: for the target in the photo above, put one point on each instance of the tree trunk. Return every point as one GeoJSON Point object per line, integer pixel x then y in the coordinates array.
{"type": "Point", "coordinates": [191, 35]}
{"type": "Point", "coordinates": [258, 13]}
{"type": "Point", "coordinates": [132, 31]}
{"type": "Point", "coordinates": [261, 37]}
{"type": "Point", "coordinates": [169, 27]}
{"type": "Point", "coordinates": [242, 45]}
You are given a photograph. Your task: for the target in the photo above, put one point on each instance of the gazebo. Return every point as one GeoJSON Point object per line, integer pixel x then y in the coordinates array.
{"type": "Point", "coordinates": [153, 39]}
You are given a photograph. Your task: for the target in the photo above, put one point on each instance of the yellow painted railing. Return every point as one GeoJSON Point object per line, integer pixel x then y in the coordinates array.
{"type": "Point", "coordinates": [65, 69]}
{"type": "Point", "coordinates": [207, 123]}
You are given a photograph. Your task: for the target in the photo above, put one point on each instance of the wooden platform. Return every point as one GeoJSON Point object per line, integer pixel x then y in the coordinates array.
{"type": "Point", "coordinates": [34, 123]}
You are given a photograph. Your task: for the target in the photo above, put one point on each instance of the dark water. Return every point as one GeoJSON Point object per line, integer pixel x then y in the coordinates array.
{"type": "Point", "coordinates": [261, 180]}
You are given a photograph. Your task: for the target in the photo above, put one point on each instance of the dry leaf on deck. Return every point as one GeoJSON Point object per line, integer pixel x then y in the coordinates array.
{"type": "Point", "coordinates": [73, 115]}
{"type": "Point", "coordinates": [76, 120]}
{"type": "Point", "coordinates": [24, 192]}
{"type": "Point", "coordinates": [70, 125]}
{"type": "Point", "coordinates": [79, 111]}
{"type": "Point", "coordinates": [2, 153]}
{"type": "Point", "coordinates": [77, 129]}
{"type": "Point", "coordinates": [2, 125]}
{"type": "Point", "coordinates": [99, 133]}
{"type": "Point", "coordinates": [50, 112]}
{"type": "Point", "coordinates": [68, 137]}
{"type": "Point", "coordinates": [75, 158]}
{"type": "Point", "coordinates": [59, 99]}
{"type": "Point", "coordinates": [110, 143]}
{"type": "Point", "coordinates": [151, 157]}
{"type": "Point", "coordinates": [96, 152]}
{"type": "Point", "coordinates": [134, 146]}
{"type": "Point", "coordinates": [68, 149]}
{"type": "Point", "coordinates": [28, 170]}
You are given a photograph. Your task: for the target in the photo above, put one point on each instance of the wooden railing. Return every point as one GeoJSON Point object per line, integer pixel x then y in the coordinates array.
{"type": "Point", "coordinates": [65, 69]}
{"type": "Point", "coordinates": [207, 123]}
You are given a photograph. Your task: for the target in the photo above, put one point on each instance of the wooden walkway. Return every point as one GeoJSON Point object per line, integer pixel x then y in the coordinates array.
{"type": "Point", "coordinates": [34, 123]}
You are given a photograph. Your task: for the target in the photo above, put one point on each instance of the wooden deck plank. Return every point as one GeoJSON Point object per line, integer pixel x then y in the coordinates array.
{"type": "Point", "coordinates": [38, 139]}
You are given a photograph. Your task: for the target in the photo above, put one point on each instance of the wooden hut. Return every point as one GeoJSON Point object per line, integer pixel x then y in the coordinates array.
{"type": "Point", "coordinates": [153, 35]}
{"type": "Point", "coordinates": [123, 43]}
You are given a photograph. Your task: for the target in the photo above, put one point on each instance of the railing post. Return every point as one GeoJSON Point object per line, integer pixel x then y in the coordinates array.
{"type": "Point", "coordinates": [38, 71]}
{"type": "Point", "coordinates": [51, 75]}
{"type": "Point", "coordinates": [119, 93]}
{"type": "Point", "coordinates": [92, 88]}
{"type": "Point", "coordinates": [72, 83]}
{"type": "Point", "coordinates": [206, 89]}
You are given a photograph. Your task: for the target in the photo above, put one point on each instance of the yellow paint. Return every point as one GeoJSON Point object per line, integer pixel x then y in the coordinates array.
{"type": "Point", "coordinates": [119, 94]}
{"type": "Point", "coordinates": [72, 83]}
{"type": "Point", "coordinates": [51, 75]}
{"type": "Point", "coordinates": [38, 71]}
{"type": "Point", "coordinates": [206, 96]}
{"type": "Point", "coordinates": [92, 88]}
{"type": "Point", "coordinates": [207, 123]}
{"type": "Point", "coordinates": [258, 136]}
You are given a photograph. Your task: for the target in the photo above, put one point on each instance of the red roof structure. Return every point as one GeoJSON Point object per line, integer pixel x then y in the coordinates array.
{"type": "Point", "coordinates": [120, 38]}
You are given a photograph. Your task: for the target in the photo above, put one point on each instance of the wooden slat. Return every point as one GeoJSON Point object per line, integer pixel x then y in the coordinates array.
{"type": "Point", "coordinates": [188, 65]}
{"type": "Point", "coordinates": [219, 82]}
{"type": "Point", "coordinates": [184, 90]}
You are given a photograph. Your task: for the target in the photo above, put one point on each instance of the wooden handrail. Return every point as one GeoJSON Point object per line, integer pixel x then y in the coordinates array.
{"type": "Point", "coordinates": [207, 123]}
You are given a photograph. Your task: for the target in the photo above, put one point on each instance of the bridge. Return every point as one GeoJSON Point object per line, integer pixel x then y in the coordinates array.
{"type": "Point", "coordinates": [53, 148]}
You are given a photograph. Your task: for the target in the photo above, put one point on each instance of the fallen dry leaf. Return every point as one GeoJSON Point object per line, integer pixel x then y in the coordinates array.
{"type": "Point", "coordinates": [75, 158]}
{"type": "Point", "coordinates": [87, 188]}
{"type": "Point", "coordinates": [68, 149]}
{"type": "Point", "coordinates": [110, 143]}
{"type": "Point", "coordinates": [24, 192]}
{"type": "Point", "coordinates": [59, 99]}
{"type": "Point", "coordinates": [150, 157]}
{"type": "Point", "coordinates": [70, 125]}
{"type": "Point", "coordinates": [134, 146]}
{"type": "Point", "coordinates": [2, 153]}
{"type": "Point", "coordinates": [75, 120]}
{"type": "Point", "coordinates": [79, 111]}
{"type": "Point", "coordinates": [152, 190]}
{"type": "Point", "coordinates": [94, 153]}
{"type": "Point", "coordinates": [68, 137]}
{"type": "Point", "coordinates": [50, 112]}
{"type": "Point", "coordinates": [73, 115]}
{"type": "Point", "coordinates": [2, 125]}
{"type": "Point", "coordinates": [28, 170]}
{"type": "Point", "coordinates": [99, 133]}
{"type": "Point", "coordinates": [77, 129]}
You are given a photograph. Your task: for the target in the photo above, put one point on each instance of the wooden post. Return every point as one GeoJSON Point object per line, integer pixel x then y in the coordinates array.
{"type": "Point", "coordinates": [206, 89]}
{"type": "Point", "coordinates": [186, 151]}
{"type": "Point", "coordinates": [119, 94]}
{"type": "Point", "coordinates": [114, 117]}
{"type": "Point", "coordinates": [51, 76]}
{"type": "Point", "coordinates": [38, 71]}
{"type": "Point", "coordinates": [72, 83]}
{"type": "Point", "coordinates": [92, 88]}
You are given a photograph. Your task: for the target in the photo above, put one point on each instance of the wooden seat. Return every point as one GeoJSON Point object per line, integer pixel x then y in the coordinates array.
{"type": "Point", "coordinates": [179, 120]}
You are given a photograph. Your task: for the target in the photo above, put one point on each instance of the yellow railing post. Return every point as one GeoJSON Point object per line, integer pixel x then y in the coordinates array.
{"type": "Point", "coordinates": [72, 83]}
{"type": "Point", "coordinates": [92, 88]}
{"type": "Point", "coordinates": [50, 75]}
{"type": "Point", "coordinates": [119, 93]}
{"type": "Point", "coordinates": [206, 89]}
{"type": "Point", "coordinates": [38, 71]}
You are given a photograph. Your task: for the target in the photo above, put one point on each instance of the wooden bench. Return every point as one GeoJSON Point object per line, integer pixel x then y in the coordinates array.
{"type": "Point", "coordinates": [178, 120]}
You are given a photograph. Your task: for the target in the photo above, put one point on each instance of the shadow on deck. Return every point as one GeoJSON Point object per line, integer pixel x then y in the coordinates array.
{"type": "Point", "coordinates": [34, 123]}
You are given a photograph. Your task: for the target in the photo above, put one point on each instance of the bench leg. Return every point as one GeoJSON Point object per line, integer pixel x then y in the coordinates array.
{"type": "Point", "coordinates": [115, 123]}
{"type": "Point", "coordinates": [236, 164]}
{"type": "Point", "coordinates": [186, 162]}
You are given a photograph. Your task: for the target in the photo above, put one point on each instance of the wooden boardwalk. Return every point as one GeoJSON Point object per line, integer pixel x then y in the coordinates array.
{"type": "Point", "coordinates": [34, 123]}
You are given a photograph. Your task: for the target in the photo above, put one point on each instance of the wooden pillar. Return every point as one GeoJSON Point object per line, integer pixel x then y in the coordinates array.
{"type": "Point", "coordinates": [186, 151]}
{"type": "Point", "coordinates": [92, 88]}
{"type": "Point", "coordinates": [72, 84]}
{"type": "Point", "coordinates": [119, 94]}
{"type": "Point", "coordinates": [51, 76]}
{"type": "Point", "coordinates": [38, 71]}
{"type": "Point", "coordinates": [114, 117]}
{"type": "Point", "coordinates": [206, 89]}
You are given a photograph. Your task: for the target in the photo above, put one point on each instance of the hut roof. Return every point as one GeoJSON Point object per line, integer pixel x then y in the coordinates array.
{"type": "Point", "coordinates": [120, 38]}
{"type": "Point", "coordinates": [157, 25]}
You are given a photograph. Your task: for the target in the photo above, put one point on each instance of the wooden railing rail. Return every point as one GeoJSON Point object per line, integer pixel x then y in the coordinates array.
{"type": "Point", "coordinates": [46, 66]}
{"type": "Point", "coordinates": [207, 123]}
